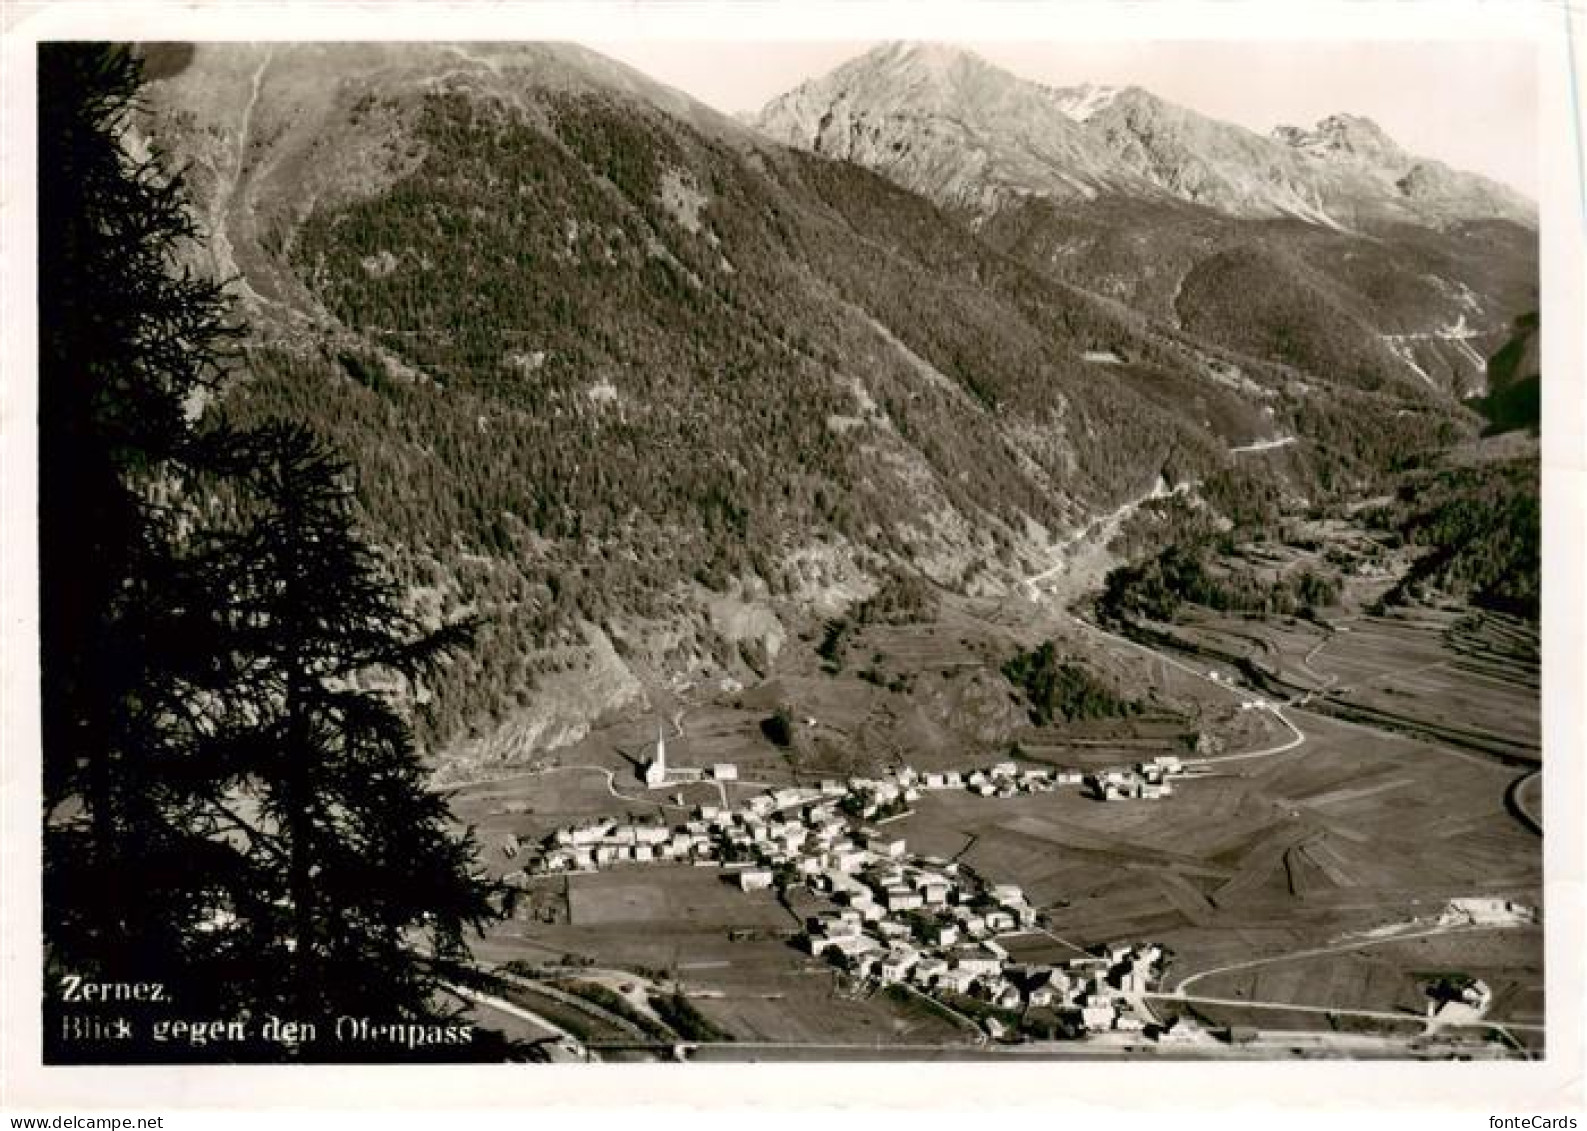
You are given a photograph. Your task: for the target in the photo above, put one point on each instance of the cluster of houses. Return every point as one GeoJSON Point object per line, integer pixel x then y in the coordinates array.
{"type": "Point", "coordinates": [951, 951]}
{"type": "Point", "coordinates": [1145, 781]}
{"type": "Point", "coordinates": [1005, 779]}
{"type": "Point", "coordinates": [925, 922]}
{"type": "Point", "coordinates": [795, 831]}
{"type": "Point", "coordinates": [806, 829]}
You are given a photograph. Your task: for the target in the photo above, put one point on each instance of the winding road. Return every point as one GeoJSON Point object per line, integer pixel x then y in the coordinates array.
{"type": "Point", "coordinates": [1263, 445]}
{"type": "Point", "coordinates": [1519, 794]}
{"type": "Point", "coordinates": [1374, 1014]}
{"type": "Point", "coordinates": [1337, 948]}
{"type": "Point", "coordinates": [511, 1009]}
{"type": "Point", "coordinates": [1297, 736]}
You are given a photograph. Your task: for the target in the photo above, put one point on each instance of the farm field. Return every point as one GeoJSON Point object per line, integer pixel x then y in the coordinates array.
{"type": "Point", "coordinates": [1389, 977]}
{"type": "Point", "coordinates": [1352, 830]}
{"type": "Point", "coordinates": [1278, 1021]}
{"type": "Point", "coordinates": [677, 921]}
{"type": "Point", "coordinates": [702, 897]}
{"type": "Point", "coordinates": [1268, 854]}
{"type": "Point", "coordinates": [1471, 679]}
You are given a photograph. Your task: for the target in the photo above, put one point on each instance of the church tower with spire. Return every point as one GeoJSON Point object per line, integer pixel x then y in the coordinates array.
{"type": "Point", "coordinates": [656, 772]}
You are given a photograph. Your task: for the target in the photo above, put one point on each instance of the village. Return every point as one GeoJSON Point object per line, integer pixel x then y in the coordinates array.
{"type": "Point", "coordinates": [918, 924]}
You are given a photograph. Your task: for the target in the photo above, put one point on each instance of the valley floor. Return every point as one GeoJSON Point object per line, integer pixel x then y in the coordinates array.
{"type": "Point", "coordinates": [1301, 883]}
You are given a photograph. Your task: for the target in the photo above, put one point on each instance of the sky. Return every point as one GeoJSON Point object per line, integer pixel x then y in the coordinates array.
{"type": "Point", "coordinates": [1471, 104]}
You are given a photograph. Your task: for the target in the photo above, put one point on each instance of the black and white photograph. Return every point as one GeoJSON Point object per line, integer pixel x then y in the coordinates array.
{"type": "Point", "coordinates": [943, 546]}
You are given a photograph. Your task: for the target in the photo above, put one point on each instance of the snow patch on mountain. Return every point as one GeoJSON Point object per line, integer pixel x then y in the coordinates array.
{"type": "Point", "coordinates": [1079, 103]}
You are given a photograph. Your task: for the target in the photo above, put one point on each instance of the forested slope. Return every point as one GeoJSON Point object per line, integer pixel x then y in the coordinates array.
{"type": "Point", "coordinates": [602, 360]}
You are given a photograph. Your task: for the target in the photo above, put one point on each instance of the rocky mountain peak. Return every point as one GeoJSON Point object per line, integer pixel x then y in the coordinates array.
{"type": "Point", "coordinates": [913, 74]}
{"type": "Point", "coordinates": [925, 57]}
{"type": "Point", "coordinates": [1344, 135]}
{"type": "Point", "coordinates": [944, 122]}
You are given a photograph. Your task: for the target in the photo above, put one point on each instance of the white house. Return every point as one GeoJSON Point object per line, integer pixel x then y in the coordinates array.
{"type": "Point", "coordinates": [901, 899]}
{"type": "Point", "coordinates": [1000, 921]}
{"type": "Point", "coordinates": [1098, 1016]}
{"type": "Point", "coordinates": [892, 929]}
{"type": "Point", "coordinates": [935, 892]}
{"type": "Point", "coordinates": [977, 962]}
{"type": "Point", "coordinates": [895, 966]}
{"type": "Point", "coordinates": [956, 980]}
{"type": "Point", "coordinates": [889, 846]}
{"type": "Point", "coordinates": [847, 859]}
{"type": "Point", "coordinates": [972, 923]}
{"type": "Point", "coordinates": [755, 879]}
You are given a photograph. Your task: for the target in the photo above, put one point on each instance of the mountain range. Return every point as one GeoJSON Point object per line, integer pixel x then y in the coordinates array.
{"type": "Point", "coordinates": [1128, 195]}
{"type": "Point", "coordinates": [652, 390]}
{"type": "Point", "coordinates": [946, 123]}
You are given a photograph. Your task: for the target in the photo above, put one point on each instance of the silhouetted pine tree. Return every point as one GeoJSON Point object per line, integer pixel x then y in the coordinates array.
{"type": "Point", "coordinates": [360, 881]}
{"type": "Point", "coordinates": [229, 815]}
{"type": "Point", "coordinates": [127, 341]}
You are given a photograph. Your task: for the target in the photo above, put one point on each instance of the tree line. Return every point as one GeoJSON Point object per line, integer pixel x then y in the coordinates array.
{"type": "Point", "coordinates": [1482, 530]}
{"type": "Point", "coordinates": [1064, 688]}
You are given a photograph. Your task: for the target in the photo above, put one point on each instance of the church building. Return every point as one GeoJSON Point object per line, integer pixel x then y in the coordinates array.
{"type": "Point", "coordinates": [656, 771]}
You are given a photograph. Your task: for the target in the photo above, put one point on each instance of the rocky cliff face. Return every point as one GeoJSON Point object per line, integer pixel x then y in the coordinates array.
{"type": "Point", "coordinates": [1430, 190]}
